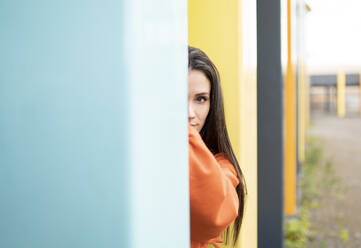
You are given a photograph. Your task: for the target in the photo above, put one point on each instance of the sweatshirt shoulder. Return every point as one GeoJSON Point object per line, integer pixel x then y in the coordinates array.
{"type": "Point", "coordinates": [227, 168]}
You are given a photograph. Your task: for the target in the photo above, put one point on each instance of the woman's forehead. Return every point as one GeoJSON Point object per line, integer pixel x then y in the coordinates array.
{"type": "Point", "coordinates": [198, 82]}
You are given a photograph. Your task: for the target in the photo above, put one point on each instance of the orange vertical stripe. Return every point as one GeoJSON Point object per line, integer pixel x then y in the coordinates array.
{"type": "Point", "coordinates": [290, 126]}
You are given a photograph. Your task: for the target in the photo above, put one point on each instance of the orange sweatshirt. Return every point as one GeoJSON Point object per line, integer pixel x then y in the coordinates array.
{"type": "Point", "coordinates": [213, 197]}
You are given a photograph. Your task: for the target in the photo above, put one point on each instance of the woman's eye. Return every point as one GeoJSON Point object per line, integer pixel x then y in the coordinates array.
{"type": "Point", "coordinates": [201, 99]}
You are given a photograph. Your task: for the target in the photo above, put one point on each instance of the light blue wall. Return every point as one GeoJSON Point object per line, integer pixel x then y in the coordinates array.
{"type": "Point", "coordinates": [63, 110]}
{"type": "Point", "coordinates": [156, 45]}
{"type": "Point", "coordinates": [93, 148]}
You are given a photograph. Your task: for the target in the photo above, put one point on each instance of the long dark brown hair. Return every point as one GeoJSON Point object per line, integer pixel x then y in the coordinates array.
{"type": "Point", "coordinates": [214, 132]}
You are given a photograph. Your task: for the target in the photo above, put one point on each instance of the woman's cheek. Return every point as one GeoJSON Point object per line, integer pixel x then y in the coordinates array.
{"type": "Point", "coordinates": [205, 112]}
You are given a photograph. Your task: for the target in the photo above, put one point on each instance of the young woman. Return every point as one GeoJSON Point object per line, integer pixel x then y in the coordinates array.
{"type": "Point", "coordinates": [217, 186]}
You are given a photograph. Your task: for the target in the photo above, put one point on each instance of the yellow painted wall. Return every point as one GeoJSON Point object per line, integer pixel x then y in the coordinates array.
{"type": "Point", "coordinates": [290, 126]}
{"type": "Point", "coordinates": [248, 116]}
{"type": "Point", "coordinates": [341, 91]}
{"type": "Point", "coordinates": [216, 28]}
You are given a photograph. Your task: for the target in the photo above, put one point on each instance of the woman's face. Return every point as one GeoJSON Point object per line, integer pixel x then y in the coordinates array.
{"type": "Point", "coordinates": [199, 89]}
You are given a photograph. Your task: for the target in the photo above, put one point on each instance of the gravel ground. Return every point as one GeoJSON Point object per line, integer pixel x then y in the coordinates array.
{"type": "Point", "coordinates": [341, 139]}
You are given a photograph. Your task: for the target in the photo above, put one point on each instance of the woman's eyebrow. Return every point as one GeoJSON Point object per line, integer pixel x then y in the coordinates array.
{"type": "Point", "coordinates": [202, 93]}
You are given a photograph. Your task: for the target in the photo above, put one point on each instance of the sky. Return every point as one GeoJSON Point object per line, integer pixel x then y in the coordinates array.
{"type": "Point", "coordinates": [333, 33]}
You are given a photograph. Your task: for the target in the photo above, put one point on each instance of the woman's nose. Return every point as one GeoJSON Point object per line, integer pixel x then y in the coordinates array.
{"type": "Point", "coordinates": [191, 113]}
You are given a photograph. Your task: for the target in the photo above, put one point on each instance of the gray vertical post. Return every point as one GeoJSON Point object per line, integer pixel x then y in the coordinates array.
{"type": "Point", "coordinates": [270, 127]}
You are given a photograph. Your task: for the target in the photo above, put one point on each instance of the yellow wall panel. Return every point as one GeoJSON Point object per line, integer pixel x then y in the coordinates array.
{"type": "Point", "coordinates": [290, 125]}
{"type": "Point", "coordinates": [216, 28]}
{"type": "Point", "coordinates": [212, 27]}
{"type": "Point", "coordinates": [248, 116]}
{"type": "Point", "coordinates": [341, 91]}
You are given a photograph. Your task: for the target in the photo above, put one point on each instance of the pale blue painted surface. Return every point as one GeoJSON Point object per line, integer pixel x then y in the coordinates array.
{"type": "Point", "coordinates": [93, 138]}
{"type": "Point", "coordinates": [156, 44]}
{"type": "Point", "coordinates": [64, 163]}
